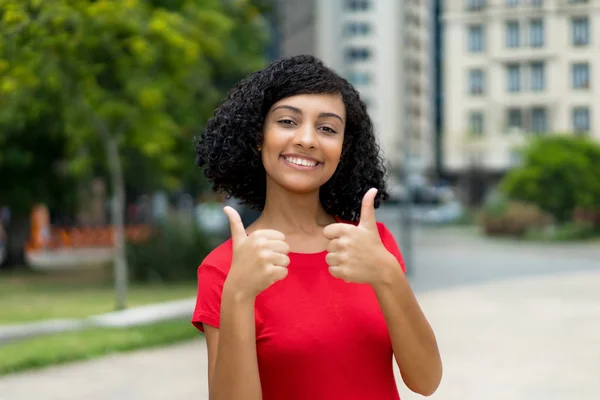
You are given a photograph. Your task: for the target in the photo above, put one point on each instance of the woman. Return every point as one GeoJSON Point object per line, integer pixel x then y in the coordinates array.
{"type": "Point", "coordinates": [310, 301]}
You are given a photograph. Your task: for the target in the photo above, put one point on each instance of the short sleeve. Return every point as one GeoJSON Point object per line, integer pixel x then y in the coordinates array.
{"type": "Point", "coordinates": [388, 240]}
{"type": "Point", "coordinates": [208, 299]}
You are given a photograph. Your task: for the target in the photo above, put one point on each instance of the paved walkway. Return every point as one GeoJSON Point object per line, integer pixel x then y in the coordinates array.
{"type": "Point", "coordinates": [518, 339]}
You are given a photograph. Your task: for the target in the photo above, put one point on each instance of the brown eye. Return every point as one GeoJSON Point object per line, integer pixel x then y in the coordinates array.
{"type": "Point", "coordinates": [286, 122]}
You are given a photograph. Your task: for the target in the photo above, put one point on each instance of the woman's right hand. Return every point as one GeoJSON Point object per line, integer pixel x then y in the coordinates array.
{"type": "Point", "coordinates": [259, 259]}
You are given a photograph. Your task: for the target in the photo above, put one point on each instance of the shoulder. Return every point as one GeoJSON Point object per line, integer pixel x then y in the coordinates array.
{"type": "Point", "coordinates": [219, 258]}
{"type": "Point", "coordinates": [384, 233]}
{"type": "Point", "coordinates": [389, 242]}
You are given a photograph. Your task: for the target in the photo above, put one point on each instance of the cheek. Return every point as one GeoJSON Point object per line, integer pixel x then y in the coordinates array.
{"type": "Point", "coordinates": [269, 159]}
{"type": "Point", "coordinates": [335, 149]}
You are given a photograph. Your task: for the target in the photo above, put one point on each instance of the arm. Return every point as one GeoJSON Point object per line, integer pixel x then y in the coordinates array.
{"type": "Point", "coordinates": [368, 253]}
{"type": "Point", "coordinates": [233, 367]}
{"type": "Point", "coordinates": [234, 373]}
{"type": "Point", "coordinates": [413, 341]}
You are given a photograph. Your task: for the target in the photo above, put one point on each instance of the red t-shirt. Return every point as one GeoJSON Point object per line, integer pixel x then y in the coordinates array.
{"type": "Point", "coordinates": [317, 337]}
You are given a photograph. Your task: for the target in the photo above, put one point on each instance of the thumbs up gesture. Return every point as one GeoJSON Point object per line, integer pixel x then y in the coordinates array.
{"type": "Point", "coordinates": [354, 252]}
{"type": "Point", "coordinates": [259, 259]}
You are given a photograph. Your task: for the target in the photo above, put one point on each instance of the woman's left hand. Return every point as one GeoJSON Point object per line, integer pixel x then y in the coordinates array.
{"type": "Point", "coordinates": [356, 253]}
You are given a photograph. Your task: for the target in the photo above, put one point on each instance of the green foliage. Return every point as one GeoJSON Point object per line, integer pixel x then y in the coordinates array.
{"type": "Point", "coordinates": [171, 254]}
{"type": "Point", "coordinates": [31, 166]}
{"type": "Point", "coordinates": [148, 73]}
{"type": "Point", "coordinates": [569, 231]}
{"type": "Point", "coordinates": [65, 347]}
{"type": "Point", "coordinates": [502, 217]}
{"type": "Point", "coordinates": [559, 174]}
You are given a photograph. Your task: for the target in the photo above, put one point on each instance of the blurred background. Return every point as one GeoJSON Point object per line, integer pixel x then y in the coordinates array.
{"type": "Point", "coordinates": [486, 111]}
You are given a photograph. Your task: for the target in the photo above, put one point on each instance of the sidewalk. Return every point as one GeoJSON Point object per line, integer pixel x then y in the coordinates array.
{"type": "Point", "coordinates": [525, 338]}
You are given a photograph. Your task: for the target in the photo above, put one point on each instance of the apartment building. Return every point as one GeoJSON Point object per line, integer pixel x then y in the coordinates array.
{"type": "Point", "coordinates": [384, 48]}
{"type": "Point", "coordinates": [513, 69]}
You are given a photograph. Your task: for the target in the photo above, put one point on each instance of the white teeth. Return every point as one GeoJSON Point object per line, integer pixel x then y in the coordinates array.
{"type": "Point", "coordinates": [301, 161]}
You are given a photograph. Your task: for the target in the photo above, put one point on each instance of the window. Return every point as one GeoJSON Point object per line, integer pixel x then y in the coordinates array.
{"type": "Point", "coordinates": [513, 77]}
{"type": "Point", "coordinates": [476, 42]}
{"type": "Point", "coordinates": [581, 31]}
{"type": "Point", "coordinates": [358, 5]}
{"type": "Point", "coordinates": [581, 76]}
{"type": "Point", "coordinates": [514, 118]}
{"type": "Point", "coordinates": [476, 123]}
{"type": "Point", "coordinates": [581, 119]}
{"type": "Point", "coordinates": [512, 3]}
{"type": "Point", "coordinates": [474, 5]}
{"type": "Point", "coordinates": [476, 81]}
{"type": "Point", "coordinates": [359, 78]}
{"type": "Point", "coordinates": [538, 76]}
{"type": "Point", "coordinates": [357, 29]}
{"type": "Point", "coordinates": [539, 123]}
{"type": "Point", "coordinates": [513, 34]}
{"type": "Point", "coordinates": [536, 33]}
{"type": "Point", "coordinates": [537, 3]}
{"type": "Point", "coordinates": [578, 1]}
{"type": "Point", "coordinates": [357, 54]}
{"type": "Point", "coordinates": [414, 66]}
{"type": "Point", "coordinates": [476, 157]}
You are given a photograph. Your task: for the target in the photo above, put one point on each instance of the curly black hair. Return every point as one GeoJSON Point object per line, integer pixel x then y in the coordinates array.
{"type": "Point", "coordinates": [227, 148]}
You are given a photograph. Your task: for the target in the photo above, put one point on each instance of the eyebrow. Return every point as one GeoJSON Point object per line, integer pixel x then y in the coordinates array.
{"type": "Point", "coordinates": [299, 111]}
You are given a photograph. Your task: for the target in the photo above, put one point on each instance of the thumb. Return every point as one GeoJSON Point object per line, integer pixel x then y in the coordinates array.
{"type": "Point", "coordinates": [238, 232]}
{"type": "Point", "coordinates": [367, 210]}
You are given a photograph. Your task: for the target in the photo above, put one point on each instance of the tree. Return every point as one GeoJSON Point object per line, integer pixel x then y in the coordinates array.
{"type": "Point", "coordinates": [558, 174]}
{"type": "Point", "coordinates": [32, 167]}
{"type": "Point", "coordinates": [126, 74]}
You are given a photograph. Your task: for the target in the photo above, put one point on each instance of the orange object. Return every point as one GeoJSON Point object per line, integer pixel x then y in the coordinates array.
{"type": "Point", "coordinates": [43, 236]}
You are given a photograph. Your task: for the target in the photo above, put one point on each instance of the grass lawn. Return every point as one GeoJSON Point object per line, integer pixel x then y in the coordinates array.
{"type": "Point", "coordinates": [56, 349]}
{"type": "Point", "coordinates": [32, 297]}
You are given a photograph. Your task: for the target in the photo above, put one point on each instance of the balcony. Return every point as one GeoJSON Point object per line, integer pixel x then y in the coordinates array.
{"type": "Point", "coordinates": [573, 5]}
{"type": "Point", "coordinates": [476, 91]}
{"type": "Point", "coordinates": [573, 2]}
{"type": "Point", "coordinates": [581, 42]}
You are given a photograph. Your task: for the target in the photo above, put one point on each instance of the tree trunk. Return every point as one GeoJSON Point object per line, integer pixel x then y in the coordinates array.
{"type": "Point", "coordinates": [17, 233]}
{"type": "Point", "coordinates": [118, 216]}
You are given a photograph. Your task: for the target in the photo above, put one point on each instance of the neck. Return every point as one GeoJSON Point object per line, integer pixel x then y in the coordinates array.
{"type": "Point", "coordinates": [292, 212]}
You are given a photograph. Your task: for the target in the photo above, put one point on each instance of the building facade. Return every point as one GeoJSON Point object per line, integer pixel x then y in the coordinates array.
{"type": "Point", "coordinates": [438, 88]}
{"type": "Point", "coordinates": [513, 69]}
{"type": "Point", "coordinates": [384, 48]}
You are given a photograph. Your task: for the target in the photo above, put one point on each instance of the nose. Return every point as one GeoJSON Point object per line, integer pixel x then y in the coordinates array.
{"type": "Point", "coordinates": [306, 137]}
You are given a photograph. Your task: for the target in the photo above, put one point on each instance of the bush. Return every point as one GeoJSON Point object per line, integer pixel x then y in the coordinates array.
{"type": "Point", "coordinates": [501, 217]}
{"type": "Point", "coordinates": [565, 232]}
{"type": "Point", "coordinates": [558, 174]}
{"type": "Point", "coordinates": [587, 216]}
{"type": "Point", "coordinates": [172, 253]}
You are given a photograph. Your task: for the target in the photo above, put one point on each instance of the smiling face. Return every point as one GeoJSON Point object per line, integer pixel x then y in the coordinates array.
{"type": "Point", "coordinates": [302, 141]}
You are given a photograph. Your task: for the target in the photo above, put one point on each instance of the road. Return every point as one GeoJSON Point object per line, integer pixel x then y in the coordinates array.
{"type": "Point", "coordinates": [452, 257]}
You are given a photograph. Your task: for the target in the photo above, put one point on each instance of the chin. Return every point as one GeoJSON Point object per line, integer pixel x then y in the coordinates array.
{"type": "Point", "coordinates": [300, 186]}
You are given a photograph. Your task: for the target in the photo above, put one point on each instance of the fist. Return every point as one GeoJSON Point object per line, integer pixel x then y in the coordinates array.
{"type": "Point", "coordinates": [259, 259]}
{"type": "Point", "coordinates": [354, 252]}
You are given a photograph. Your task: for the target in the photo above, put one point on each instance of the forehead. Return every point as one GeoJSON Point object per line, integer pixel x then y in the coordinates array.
{"type": "Point", "coordinates": [317, 103]}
